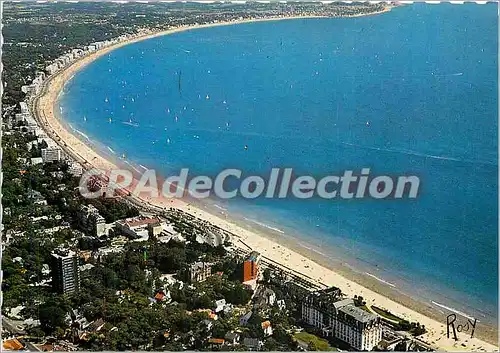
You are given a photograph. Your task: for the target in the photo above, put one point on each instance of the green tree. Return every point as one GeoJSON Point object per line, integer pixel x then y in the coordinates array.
{"type": "Point", "coordinates": [51, 318]}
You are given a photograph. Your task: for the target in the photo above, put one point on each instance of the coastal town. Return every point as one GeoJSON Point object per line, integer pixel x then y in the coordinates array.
{"type": "Point", "coordinates": [124, 274]}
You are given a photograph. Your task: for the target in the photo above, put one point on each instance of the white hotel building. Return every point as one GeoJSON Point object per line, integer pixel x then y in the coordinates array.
{"type": "Point", "coordinates": [52, 154]}
{"type": "Point", "coordinates": [342, 319]}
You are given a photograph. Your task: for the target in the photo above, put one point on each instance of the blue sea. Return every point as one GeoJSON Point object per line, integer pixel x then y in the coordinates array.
{"type": "Point", "coordinates": [412, 91]}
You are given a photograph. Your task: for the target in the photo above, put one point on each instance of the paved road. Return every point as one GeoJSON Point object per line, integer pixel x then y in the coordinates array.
{"type": "Point", "coordinates": [32, 347]}
{"type": "Point", "coordinates": [10, 325]}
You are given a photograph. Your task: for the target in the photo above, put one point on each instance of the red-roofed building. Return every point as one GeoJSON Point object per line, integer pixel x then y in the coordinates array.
{"type": "Point", "coordinates": [216, 340]}
{"type": "Point", "coordinates": [12, 345]}
{"type": "Point", "coordinates": [267, 328]}
{"type": "Point", "coordinates": [251, 267]}
{"type": "Point", "coordinates": [160, 296]}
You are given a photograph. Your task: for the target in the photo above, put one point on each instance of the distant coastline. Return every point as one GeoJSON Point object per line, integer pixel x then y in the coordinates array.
{"type": "Point", "coordinates": [268, 244]}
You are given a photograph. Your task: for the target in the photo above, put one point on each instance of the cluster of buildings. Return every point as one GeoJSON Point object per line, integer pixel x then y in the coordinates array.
{"type": "Point", "coordinates": [75, 54]}
{"type": "Point", "coordinates": [327, 310]}
{"type": "Point", "coordinates": [51, 152]}
{"type": "Point", "coordinates": [67, 270]}
{"type": "Point", "coordinates": [49, 149]}
{"type": "Point", "coordinates": [25, 118]}
{"type": "Point", "coordinates": [35, 86]}
{"type": "Point", "coordinates": [333, 316]}
{"type": "Point", "coordinates": [141, 228]}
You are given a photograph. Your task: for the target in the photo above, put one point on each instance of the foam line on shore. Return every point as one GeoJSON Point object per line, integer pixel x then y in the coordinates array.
{"type": "Point", "coordinates": [312, 249]}
{"type": "Point", "coordinates": [274, 229]}
{"type": "Point", "coordinates": [453, 310]}
{"type": "Point", "coordinates": [83, 135]}
{"type": "Point", "coordinates": [380, 280]}
{"type": "Point", "coordinates": [220, 207]}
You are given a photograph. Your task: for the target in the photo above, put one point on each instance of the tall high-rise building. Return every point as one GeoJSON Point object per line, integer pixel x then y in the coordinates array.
{"type": "Point", "coordinates": [65, 271]}
{"type": "Point", "coordinates": [91, 221]}
{"type": "Point", "coordinates": [251, 267]}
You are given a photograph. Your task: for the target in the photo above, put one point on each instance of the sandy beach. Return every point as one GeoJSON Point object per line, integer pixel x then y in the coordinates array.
{"type": "Point", "coordinates": [279, 249]}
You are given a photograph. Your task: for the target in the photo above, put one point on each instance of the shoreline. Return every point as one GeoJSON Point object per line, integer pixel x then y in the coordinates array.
{"type": "Point", "coordinates": [280, 249]}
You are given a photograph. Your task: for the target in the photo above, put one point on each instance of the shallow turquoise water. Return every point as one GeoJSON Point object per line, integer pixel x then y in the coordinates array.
{"type": "Point", "coordinates": [299, 94]}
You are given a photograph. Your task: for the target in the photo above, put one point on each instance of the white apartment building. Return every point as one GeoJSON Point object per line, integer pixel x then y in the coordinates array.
{"type": "Point", "coordinates": [357, 327]}
{"type": "Point", "coordinates": [52, 68]}
{"type": "Point", "coordinates": [77, 53]}
{"type": "Point", "coordinates": [326, 311]}
{"type": "Point", "coordinates": [24, 108]}
{"type": "Point", "coordinates": [91, 220]}
{"type": "Point", "coordinates": [40, 133]}
{"type": "Point", "coordinates": [52, 154]}
{"type": "Point", "coordinates": [75, 169]}
{"type": "Point", "coordinates": [318, 308]}
{"type": "Point", "coordinates": [18, 118]}
{"type": "Point", "coordinates": [140, 227]}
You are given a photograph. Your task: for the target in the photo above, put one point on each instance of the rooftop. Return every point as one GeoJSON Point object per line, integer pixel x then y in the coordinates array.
{"type": "Point", "coordinates": [326, 299]}
{"type": "Point", "coordinates": [342, 303]}
{"type": "Point", "coordinates": [266, 324]}
{"type": "Point", "coordinates": [216, 340]}
{"type": "Point", "coordinates": [251, 342]}
{"type": "Point", "coordinates": [232, 335]}
{"type": "Point", "coordinates": [63, 253]}
{"type": "Point", "coordinates": [254, 256]}
{"type": "Point", "coordinates": [199, 265]}
{"type": "Point", "coordinates": [12, 345]}
{"type": "Point", "coordinates": [139, 221]}
{"type": "Point", "coordinates": [357, 313]}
